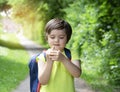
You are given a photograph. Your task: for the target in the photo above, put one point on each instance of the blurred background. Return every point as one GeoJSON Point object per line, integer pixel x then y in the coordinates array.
{"type": "Point", "coordinates": [95, 39]}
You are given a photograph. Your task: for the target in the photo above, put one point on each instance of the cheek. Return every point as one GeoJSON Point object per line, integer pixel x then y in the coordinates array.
{"type": "Point", "coordinates": [50, 41]}
{"type": "Point", "coordinates": [63, 43]}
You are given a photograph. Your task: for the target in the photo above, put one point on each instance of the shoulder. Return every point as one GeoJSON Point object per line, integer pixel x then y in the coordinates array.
{"type": "Point", "coordinates": [41, 57]}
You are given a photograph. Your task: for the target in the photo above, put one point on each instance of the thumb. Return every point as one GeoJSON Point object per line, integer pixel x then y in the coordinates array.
{"type": "Point", "coordinates": [53, 48]}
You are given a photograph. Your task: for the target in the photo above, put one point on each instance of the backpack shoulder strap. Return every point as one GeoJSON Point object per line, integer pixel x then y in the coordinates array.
{"type": "Point", "coordinates": [68, 53]}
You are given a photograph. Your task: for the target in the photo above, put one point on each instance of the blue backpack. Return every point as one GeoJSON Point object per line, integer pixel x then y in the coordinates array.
{"type": "Point", "coordinates": [33, 71]}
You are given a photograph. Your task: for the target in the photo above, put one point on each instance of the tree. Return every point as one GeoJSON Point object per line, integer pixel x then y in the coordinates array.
{"type": "Point", "coordinates": [4, 6]}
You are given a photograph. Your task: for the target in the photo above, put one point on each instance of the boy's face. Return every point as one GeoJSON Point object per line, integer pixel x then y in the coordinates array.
{"type": "Point", "coordinates": [57, 39]}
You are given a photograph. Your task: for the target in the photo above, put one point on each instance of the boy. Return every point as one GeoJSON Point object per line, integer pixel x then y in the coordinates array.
{"type": "Point", "coordinates": [56, 71]}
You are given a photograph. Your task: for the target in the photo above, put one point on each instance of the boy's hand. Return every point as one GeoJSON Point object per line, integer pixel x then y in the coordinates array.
{"type": "Point", "coordinates": [48, 58]}
{"type": "Point", "coordinates": [55, 55]}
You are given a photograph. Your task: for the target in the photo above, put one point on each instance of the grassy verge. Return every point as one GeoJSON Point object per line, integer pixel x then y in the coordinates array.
{"type": "Point", "coordinates": [13, 65]}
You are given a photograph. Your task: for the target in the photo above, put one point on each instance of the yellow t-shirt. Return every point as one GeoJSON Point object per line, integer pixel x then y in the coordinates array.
{"type": "Point", "coordinates": [75, 54]}
{"type": "Point", "coordinates": [60, 80]}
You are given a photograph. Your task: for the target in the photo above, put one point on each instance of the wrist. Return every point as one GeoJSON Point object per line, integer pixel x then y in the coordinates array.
{"type": "Point", "coordinates": [64, 59]}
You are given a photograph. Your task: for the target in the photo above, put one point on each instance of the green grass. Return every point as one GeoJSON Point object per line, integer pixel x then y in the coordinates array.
{"type": "Point", "coordinates": [13, 63]}
{"type": "Point", "coordinates": [13, 68]}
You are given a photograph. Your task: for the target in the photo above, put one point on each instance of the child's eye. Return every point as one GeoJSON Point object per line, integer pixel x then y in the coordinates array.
{"type": "Point", "coordinates": [61, 37]}
{"type": "Point", "coordinates": [52, 37]}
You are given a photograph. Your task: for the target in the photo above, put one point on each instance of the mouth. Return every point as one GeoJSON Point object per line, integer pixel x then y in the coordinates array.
{"type": "Point", "coordinates": [56, 46]}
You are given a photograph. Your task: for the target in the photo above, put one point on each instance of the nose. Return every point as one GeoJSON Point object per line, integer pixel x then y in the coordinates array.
{"type": "Point", "coordinates": [56, 40]}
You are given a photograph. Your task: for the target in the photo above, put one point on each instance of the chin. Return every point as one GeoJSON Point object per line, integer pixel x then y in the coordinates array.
{"type": "Point", "coordinates": [57, 48]}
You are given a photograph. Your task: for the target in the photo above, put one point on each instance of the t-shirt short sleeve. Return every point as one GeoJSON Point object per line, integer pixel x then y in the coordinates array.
{"type": "Point", "coordinates": [41, 57]}
{"type": "Point", "coordinates": [75, 55]}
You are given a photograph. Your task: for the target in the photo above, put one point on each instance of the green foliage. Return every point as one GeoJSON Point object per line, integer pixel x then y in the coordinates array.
{"type": "Point", "coordinates": [110, 38]}
{"type": "Point", "coordinates": [83, 23]}
{"type": "Point", "coordinates": [96, 32]}
{"type": "Point", "coordinates": [96, 36]}
{"type": "Point", "coordinates": [4, 6]}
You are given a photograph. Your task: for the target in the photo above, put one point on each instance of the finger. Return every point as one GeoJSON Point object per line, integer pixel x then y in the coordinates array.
{"type": "Point", "coordinates": [47, 52]}
{"type": "Point", "coordinates": [54, 53]}
{"type": "Point", "coordinates": [57, 52]}
{"type": "Point", "coordinates": [54, 58]}
{"type": "Point", "coordinates": [53, 48]}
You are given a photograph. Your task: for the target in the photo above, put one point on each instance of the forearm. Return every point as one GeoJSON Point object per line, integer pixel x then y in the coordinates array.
{"type": "Point", "coordinates": [46, 72]}
{"type": "Point", "coordinates": [74, 70]}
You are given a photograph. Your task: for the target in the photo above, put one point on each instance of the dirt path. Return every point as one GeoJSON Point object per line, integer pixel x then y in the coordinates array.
{"type": "Point", "coordinates": [32, 49]}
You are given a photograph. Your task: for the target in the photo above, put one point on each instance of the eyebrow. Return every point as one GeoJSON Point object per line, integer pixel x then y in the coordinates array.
{"type": "Point", "coordinates": [55, 34]}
